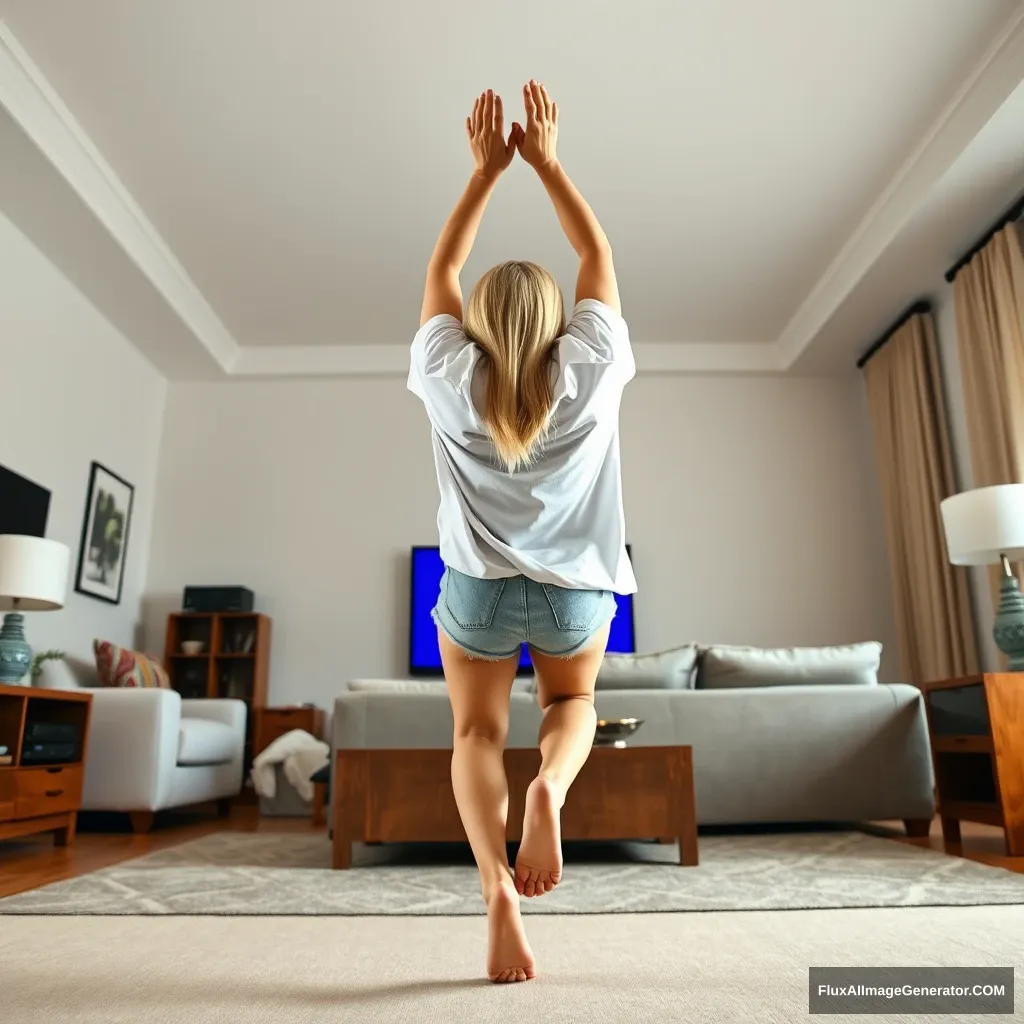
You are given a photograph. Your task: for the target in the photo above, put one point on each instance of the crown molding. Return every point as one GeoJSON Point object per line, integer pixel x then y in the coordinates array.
{"type": "Point", "coordinates": [376, 360]}
{"type": "Point", "coordinates": [994, 78]}
{"type": "Point", "coordinates": [35, 106]}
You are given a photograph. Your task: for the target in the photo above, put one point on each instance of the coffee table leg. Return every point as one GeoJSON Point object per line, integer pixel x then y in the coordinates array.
{"type": "Point", "coordinates": [688, 855]}
{"type": "Point", "coordinates": [686, 810]}
{"type": "Point", "coordinates": [348, 804]}
{"type": "Point", "coordinates": [319, 813]}
{"type": "Point", "coordinates": [342, 853]}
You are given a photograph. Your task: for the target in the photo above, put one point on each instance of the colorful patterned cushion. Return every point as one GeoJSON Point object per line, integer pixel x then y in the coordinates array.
{"type": "Point", "coordinates": [118, 666]}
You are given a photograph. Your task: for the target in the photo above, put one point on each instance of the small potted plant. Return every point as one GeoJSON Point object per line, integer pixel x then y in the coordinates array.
{"type": "Point", "coordinates": [40, 659]}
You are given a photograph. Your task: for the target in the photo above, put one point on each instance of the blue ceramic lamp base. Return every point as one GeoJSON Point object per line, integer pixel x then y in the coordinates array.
{"type": "Point", "coordinates": [1008, 630]}
{"type": "Point", "coordinates": [15, 653]}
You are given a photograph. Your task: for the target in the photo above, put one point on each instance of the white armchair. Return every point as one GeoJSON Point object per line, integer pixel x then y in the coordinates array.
{"type": "Point", "coordinates": [149, 750]}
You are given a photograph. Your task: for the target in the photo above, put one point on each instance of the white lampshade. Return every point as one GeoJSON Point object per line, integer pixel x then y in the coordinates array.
{"type": "Point", "coordinates": [984, 524]}
{"type": "Point", "coordinates": [33, 573]}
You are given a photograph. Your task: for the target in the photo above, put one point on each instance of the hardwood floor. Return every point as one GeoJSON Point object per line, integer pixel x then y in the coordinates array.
{"type": "Point", "coordinates": [983, 843]}
{"type": "Point", "coordinates": [105, 840]}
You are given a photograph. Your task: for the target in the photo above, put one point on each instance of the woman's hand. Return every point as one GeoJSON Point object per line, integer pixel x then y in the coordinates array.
{"type": "Point", "coordinates": [486, 130]}
{"type": "Point", "coordinates": [537, 144]}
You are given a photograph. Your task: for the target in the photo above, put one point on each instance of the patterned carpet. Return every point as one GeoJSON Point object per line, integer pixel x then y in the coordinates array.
{"type": "Point", "coordinates": [241, 873]}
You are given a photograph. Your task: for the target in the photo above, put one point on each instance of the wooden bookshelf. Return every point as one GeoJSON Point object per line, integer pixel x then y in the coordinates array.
{"type": "Point", "coordinates": [234, 661]}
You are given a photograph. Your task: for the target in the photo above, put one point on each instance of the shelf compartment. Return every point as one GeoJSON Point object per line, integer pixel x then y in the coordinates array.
{"type": "Point", "coordinates": [966, 777]}
{"type": "Point", "coordinates": [12, 715]}
{"type": "Point", "coordinates": [959, 711]}
{"type": "Point", "coordinates": [984, 814]}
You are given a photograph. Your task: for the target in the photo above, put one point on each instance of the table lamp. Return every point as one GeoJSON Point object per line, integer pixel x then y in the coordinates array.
{"type": "Point", "coordinates": [33, 578]}
{"type": "Point", "coordinates": [986, 527]}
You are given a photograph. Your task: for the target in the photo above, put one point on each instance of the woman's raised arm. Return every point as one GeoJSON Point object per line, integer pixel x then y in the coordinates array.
{"type": "Point", "coordinates": [491, 154]}
{"type": "Point", "coordinates": [596, 276]}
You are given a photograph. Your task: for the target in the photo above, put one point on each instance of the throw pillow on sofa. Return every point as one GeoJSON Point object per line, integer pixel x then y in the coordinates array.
{"type": "Point", "coordinates": [662, 670]}
{"type": "Point", "coordinates": [119, 666]}
{"type": "Point", "coordinates": [735, 667]}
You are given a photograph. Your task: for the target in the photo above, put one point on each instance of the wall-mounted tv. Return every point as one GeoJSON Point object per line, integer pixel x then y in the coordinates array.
{"type": "Point", "coordinates": [24, 506]}
{"type": "Point", "coordinates": [424, 654]}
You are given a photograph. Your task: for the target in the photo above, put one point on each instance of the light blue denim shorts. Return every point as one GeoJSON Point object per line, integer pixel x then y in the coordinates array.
{"type": "Point", "coordinates": [492, 619]}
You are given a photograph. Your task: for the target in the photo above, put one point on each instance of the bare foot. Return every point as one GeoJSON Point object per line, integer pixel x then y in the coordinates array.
{"type": "Point", "coordinates": [539, 863]}
{"type": "Point", "coordinates": [509, 957]}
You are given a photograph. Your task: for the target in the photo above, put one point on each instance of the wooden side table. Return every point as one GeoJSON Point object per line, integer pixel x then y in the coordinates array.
{"type": "Point", "coordinates": [38, 794]}
{"type": "Point", "coordinates": [272, 723]}
{"type": "Point", "coordinates": [976, 728]}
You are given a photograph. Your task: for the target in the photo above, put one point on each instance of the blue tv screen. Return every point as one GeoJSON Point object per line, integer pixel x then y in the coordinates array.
{"type": "Point", "coordinates": [424, 654]}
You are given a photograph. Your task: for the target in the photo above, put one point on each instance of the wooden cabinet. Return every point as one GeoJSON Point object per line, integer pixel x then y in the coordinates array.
{"type": "Point", "coordinates": [976, 726]}
{"type": "Point", "coordinates": [272, 723]}
{"type": "Point", "coordinates": [36, 796]}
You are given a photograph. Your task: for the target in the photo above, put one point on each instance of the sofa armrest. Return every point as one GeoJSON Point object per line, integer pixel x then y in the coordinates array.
{"type": "Point", "coordinates": [133, 747]}
{"type": "Point", "coordinates": [227, 711]}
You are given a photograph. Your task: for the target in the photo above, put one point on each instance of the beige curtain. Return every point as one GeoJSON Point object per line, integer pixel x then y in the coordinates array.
{"type": "Point", "coordinates": [988, 295]}
{"type": "Point", "coordinates": [931, 597]}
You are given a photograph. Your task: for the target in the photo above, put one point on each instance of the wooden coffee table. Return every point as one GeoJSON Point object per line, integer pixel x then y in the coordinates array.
{"type": "Point", "coordinates": [406, 796]}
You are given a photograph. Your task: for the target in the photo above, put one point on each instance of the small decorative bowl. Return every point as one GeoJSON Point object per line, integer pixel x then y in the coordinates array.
{"type": "Point", "coordinates": [613, 732]}
{"type": "Point", "coordinates": [192, 646]}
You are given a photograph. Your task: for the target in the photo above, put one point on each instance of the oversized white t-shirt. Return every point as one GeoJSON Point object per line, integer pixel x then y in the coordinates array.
{"type": "Point", "coordinates": [560, 520]}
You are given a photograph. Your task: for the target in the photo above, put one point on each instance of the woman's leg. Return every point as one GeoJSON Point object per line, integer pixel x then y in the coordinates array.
{"type": "Point", "coordinates": [565, 692]}
{"type": "Point", "coordinates": [479, 691]}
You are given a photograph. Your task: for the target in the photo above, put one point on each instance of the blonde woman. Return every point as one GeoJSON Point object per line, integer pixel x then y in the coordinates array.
{"type": "Point", "coordinates": [524, 412]}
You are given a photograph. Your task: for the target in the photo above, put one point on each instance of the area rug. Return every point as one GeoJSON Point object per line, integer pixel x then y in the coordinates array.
{"type": "Point", "coordinates": [626, 969]}
{"type": "Point", "coordinates": [244, 873]}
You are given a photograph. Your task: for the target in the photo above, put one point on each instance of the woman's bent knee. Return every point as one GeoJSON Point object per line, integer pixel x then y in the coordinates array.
{"type": "Point", "coordinates": [491, 733]}
{"type": "Point", "coordinates": [546, 701]}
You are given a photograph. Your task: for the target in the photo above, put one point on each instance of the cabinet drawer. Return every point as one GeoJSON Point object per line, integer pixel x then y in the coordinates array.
{"type": "Point", "coordinates": [39, 791]}
{"type": "Point", "coordinates": [286, 718]}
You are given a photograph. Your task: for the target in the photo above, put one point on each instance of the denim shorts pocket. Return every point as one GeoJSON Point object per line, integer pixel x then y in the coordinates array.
{"type": "Point", "coordinates": [471, 602]}
{"type": "Point", "coordinates": [575, 609]}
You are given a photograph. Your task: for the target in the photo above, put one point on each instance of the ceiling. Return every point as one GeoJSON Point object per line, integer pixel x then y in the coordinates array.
{"type": "Point", "coordinates": [276, 172]}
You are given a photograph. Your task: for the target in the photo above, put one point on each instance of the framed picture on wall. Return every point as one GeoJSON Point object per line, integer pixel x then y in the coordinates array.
{"type": "Point", "coordinates": [104, 547]}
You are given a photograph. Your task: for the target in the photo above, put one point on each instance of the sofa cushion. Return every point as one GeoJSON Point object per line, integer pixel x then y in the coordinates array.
{"type": "Point", "coordinates": [736, 667]}
{"type": "Point", "coordinates": [661, 670]}
{"type": "Point", "coordinates": [119, 666]}
{"type": "Point", "coordinates": [201, 741]}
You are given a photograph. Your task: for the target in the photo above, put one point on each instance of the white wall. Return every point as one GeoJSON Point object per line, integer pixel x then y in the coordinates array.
{"type": "Point", "coordinates": [751, 508]}
{"type": "Point", "coordinates": [73, 391]}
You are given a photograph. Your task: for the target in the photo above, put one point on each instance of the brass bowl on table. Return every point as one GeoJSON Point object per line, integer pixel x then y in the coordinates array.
{"type": "Point", "coordinates": [613, 732]}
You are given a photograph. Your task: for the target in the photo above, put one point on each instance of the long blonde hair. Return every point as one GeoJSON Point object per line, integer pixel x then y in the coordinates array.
{"type": "Point", "coordinates": [515, 315]}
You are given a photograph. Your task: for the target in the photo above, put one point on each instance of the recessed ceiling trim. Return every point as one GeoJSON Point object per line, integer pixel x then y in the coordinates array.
{"type": "Point", "coordinates": [993, 80]}
{"type": "Point", "coordinates": [393, 360]}
{"type": "Point", "coordinates": [36, 107]}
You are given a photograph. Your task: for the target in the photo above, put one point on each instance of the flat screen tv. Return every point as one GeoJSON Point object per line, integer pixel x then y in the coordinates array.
{"type": "Point", "coordinates": [24, 506]}
{"type": "Point", "coordinates": [424, 655]}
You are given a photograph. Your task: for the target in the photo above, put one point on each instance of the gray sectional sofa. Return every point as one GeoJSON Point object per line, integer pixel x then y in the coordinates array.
{"type": "Point", "coordinates": [796, 735]}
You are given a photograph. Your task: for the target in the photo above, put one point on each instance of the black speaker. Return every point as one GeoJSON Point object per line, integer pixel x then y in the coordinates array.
{"type": "Point", "coordinates": [217, 599]}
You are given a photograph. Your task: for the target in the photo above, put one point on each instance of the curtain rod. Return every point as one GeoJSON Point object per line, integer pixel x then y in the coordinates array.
{"type": "Point", "coordinates": [1015, 212]}
{"type": "Point", "coordinates": [920, 307]}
